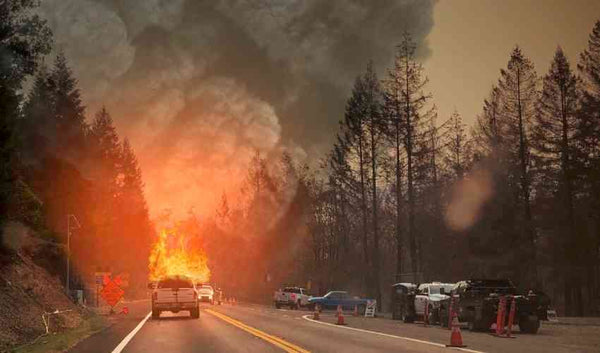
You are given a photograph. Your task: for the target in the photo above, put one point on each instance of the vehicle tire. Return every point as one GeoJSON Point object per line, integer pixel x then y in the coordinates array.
{"type": "Point", "coordinates": [529, 324]}
{"type": "Point", "coordinates": [434, 316]}
{"type": "Point", "coordinates": [406, 318]}
{"type": "Point", "coordinates": [478, 325]}
{"type": "Point", "coordinates": [155, 314]}
{"type": "Point", "coordinates": [277, 306]}
{"type": "Point", "coordinates": [362, 309]}
{"type": "Point", "coordinates": [195, 313]}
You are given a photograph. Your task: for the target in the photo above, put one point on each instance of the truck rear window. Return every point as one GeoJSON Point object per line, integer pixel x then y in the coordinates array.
{"type": "Point", "coordinates": [175, 283]}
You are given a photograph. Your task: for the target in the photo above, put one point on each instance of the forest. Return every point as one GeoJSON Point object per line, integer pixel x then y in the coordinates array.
{"type": "Point", "coordinates": [403, 195]}
{"type": "Point", "coordinates": [63, 172]}
{"type": "Point", "coordinates": [407, 196]}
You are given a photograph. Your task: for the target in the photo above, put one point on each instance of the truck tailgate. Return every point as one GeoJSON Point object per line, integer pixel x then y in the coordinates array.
{"type": "Point", "coordinates": [175, 295]}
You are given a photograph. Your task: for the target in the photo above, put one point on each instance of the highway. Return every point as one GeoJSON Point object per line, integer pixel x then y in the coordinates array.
{"type": "Point", "coordinates": [240, 328]}
{"type": "Point", "coordinates": [257, 328]}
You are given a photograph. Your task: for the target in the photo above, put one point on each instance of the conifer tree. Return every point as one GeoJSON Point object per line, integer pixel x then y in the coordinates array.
{"type": "Point", "coordinates": [557, 141]}
{"type": "Point", "coordinates": [518, 89]}
{"type": "Point", "coordinates": [24, 38]}
{"type": "Point", "coordinates": [69, 111]}
{"type": "Point", "coordinates": [406, 105]}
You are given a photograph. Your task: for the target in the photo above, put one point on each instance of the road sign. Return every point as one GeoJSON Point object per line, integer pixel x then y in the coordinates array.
{"type": "Point", "coordinates": [111, 293]}
{"type": "Point", "coordinates": [99, 277]}
{"type": "Point", "coordinates": [370, 309]}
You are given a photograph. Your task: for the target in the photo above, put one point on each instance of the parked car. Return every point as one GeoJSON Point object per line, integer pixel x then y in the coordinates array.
{"type": "Point", "coordinates": [431, 295]}
{"type": "Point", "coordinates": [476, 302]}
{"type": "Point", "coordinates": [334, 298]}
{"type": "Point", "coordinates": [294, 297]}
{"type": "Point", "coordinates": [206, 293]}
{"type": "Point", "coordinates": [174, 294]}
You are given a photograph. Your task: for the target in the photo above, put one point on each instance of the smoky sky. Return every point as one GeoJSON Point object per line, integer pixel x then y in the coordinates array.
{"type": "Point", "coordinates": [198, 86]}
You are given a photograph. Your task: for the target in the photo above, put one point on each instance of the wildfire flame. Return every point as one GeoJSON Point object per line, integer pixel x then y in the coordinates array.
{"type": "Point", "coordinates": [174, 254]}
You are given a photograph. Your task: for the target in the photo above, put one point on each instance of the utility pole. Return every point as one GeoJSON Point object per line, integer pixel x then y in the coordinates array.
{"type": "Point", "coordinates": [69, 216]}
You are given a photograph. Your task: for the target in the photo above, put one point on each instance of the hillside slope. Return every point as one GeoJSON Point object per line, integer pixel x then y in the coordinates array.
{"type": "Point", "coordinates": [27, 291]}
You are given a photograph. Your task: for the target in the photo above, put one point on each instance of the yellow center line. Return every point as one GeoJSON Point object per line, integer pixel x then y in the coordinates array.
{"type": "Point", "coordinates": [285, 345]}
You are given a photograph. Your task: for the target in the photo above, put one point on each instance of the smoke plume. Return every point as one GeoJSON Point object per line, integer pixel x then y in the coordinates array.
{"type": "Point", "coordinates": [198, 86]}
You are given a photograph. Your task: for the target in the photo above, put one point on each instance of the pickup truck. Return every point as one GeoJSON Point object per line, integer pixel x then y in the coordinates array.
{"type": "Point", "coordinates": [334, 298]}
{"type": "Point", "coordinates": [206, 293]}
{"type": "Point", "coordinates": [409, 300]}
{"type": "Point", "coordinates": [174, 294]}
{"type": "Point", "coordinates": [476, 302]}
{"type": "Point", "coordinates": [432, 295]}
{"type": "Point", "coordinates": [294, 297]}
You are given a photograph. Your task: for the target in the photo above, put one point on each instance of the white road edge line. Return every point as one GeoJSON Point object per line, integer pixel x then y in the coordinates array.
{"type": "Point", "coordinates": [307, 317]}
{"type": "Point", "coordinates": [128, 338]}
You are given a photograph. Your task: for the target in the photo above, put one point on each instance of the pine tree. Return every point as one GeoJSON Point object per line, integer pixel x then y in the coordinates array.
{"type": "Point", "coordinates": [350, 153]}
{"type": "Point", "coordinates": [589, 69]}
{"type": "Point", "coordinates": [518, 89]}
{"type": "Point", "coordinates": [376, 128]}
{"type": "Point", "coordinates": [131, 183]}
{"type": "Point", "coordinates": [69, 111]}
{"type": "Point", "coordinates": [457, 146]}
{"type": "Point", "coordinates": [38, 127]}
{"type": "Point", "coordinates": [557, 141]}
{"type": "Point", "coordinates": [24, 38]}
{"type": "Point", "coordinates": [486, 132]}
{"type": "Point", "coordinates": [105, 153]}
{"type": "Point", "coordinates": [405, 103]}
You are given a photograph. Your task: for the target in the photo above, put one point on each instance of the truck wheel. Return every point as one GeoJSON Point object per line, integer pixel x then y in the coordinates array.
{"type": "Point", "coordinates": [529, 324]}
{"type": "Point", "coordinates": [478, 325]}
{"type": "Point", "coordinates": [155, 314]}
{"type": "Point", "coordinates": [277, 306]}
{"type": "Point", "coordinates": [195, 313]}
{"type": "Point", "coordinates": [406, 318]}
{"type": "Point", "coordinates": [434, 316]}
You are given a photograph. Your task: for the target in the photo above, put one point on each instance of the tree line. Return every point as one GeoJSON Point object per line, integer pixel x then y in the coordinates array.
{"type": "Point", "coordinates": [56, 163]}
{"type": "Point", "coordinates": [395, 202]}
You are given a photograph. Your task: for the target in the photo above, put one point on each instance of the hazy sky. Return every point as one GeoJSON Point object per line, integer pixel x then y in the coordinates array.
{"type": "Point", "coordinates": [199, 86]}
{"type": "Point", "coordinates": [471, 41]}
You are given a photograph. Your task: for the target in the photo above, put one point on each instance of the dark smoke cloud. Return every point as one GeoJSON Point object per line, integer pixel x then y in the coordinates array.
{"type": "Point", "coordinates": [199, 85]}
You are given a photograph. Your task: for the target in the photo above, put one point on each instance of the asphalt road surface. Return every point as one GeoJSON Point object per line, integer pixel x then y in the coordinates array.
{"type": "Point", "coordinates": [238, 328]}
{"type": "Point", "coordinates": [254, 328]}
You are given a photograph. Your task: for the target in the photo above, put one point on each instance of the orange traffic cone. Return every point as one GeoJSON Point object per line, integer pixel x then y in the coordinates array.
{"type": "Point", "coordinates": [355, 310]}
{"type": "Point", "coordinates": [455, 336]}
{"type": "Point", "coordinates": [340, 316]}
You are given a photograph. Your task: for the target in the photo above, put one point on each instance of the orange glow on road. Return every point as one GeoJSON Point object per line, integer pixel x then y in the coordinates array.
{"type": "Point", "coordinates": [176, 254]}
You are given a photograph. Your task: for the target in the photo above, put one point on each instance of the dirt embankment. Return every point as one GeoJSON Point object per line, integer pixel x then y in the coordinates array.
{"type": "Point", "coordinates": [28, 291]}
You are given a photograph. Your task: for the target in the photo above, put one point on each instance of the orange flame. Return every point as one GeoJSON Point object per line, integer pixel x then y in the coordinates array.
{"type": "Point", "coordinates": [176, 255]}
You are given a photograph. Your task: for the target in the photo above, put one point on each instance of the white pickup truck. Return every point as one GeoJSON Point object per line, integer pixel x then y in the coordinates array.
{"type": "Point", "coordinates": [174, 294]}
{"type": "Point", "coordinates": [431, 294]}
{"type": "Point", "coordinates": [294, 297]}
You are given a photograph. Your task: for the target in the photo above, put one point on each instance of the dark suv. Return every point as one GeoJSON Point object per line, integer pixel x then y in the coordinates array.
{"type": "Point", "coordinates": [476, 302]}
